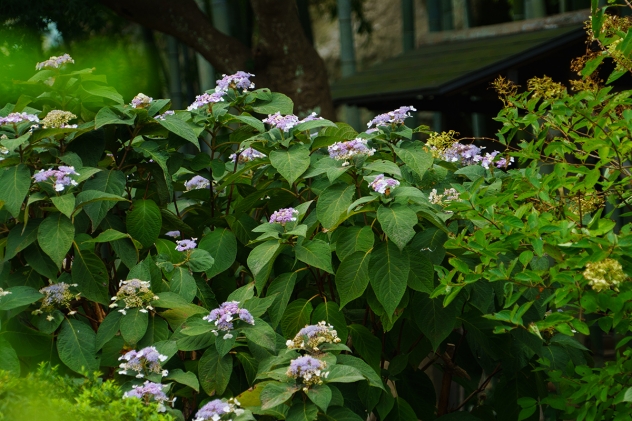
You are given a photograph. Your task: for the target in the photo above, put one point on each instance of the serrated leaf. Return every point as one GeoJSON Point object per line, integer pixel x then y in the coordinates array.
{"type": "Point", "coordinates": [296, 316]}
{"type": "Point", "coordinates": [222, 245]}
{"type": "Point", "coordinates": [398, 223]}
{"type": "Point", "coordinates": [274, 394]}
{"type": "Point", "coordinates": [214, 371]}
{"type": "Point", "coordinates": [55, 235]}
{"type": "Point", "coordinates": [186, 378]}
{"type": "Point", "coordinates": [180, 128]}
{"type": "Point", "coordinates": [111, 182]}
{"type": "Point", "coordinates": [108, 328]}
{"type": "Point", "coordinates": [76, 346]}
{"type": "Point", "coordinates": [144, 222]}
{"type": "Point", "coordinates": [183, 284]}
{"type": "Point", "coordinates": [282, 286]}
{"type": "Point", "coordinates": [388, 274]}
{"type": "Point", "coordinates": [435, 321]}
{"type": "Point", "coordinates": [20, 237]}
{"type": "Point", "coordinates": [415, 157]}
{"type": "Point", "coordinates": [332, 204]}
{"type": "Point", "coordinates": [91, 276]}
{"type": "Point", "coordinates": [134, 325]}
{"type": "Point", "coordinates": [15, 182]}
{"type": "Point", "coordinates": [64, 204]}
{"type": "Point", "coordinates": [19, 296]}
{"type": "Point", "coordinates": [315, 253]}
{"type": "Point", "coordinates": [260, 261]}
{"type": "Point", "coordinates": [291, 163]}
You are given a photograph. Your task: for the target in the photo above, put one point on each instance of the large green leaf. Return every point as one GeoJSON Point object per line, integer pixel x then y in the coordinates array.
{"type": "Point", "coordinates": [110, 115]}
{"type": "Point", "coordinates": [341, 414]}
{"type": "Point", "coordinates": [19, 296]}
{"type": "Point", "coordinates": [352, 276]}
{"type": "Point", "coordinates": [388, 273]}
{"type": "Point", "coordinates": [315, 253]}
{"type": "Point", "coordinates": [15, 182]}
{"type": "Point", "coordinates": [144, 222]}
{"type": "Point", "coordinates": [108, 328]}
{"type": "Point", "coordinates": [401, 411]}
{"type": "Point", "coordinates": [186, 378]}
{"type": "Point", "coordinates": [134, 325]}
{"type": "Point", "coordinates": [260, 261]}
{"type": "Point", "coordinates": [398, 223]}
{"type": "Point", "coordinates": [343, 374]}
{"type": "Point", "coordinates": [222, 245]}
{"type": "Point", "coordinates": [291, 163]}
{"type": "Point", "coordinates": [111, 182]}
{"type": "Point", "coordinates": [39, 261]}
{"type": "Point", "coordinates": [369, 373]}
{"type": "Point", "coordinates": [330, 312]}
{"type": "Point", "coordinates": [91, 276]}
{"type": "Point", "coordinates": [274, 394]}
{"type": "Point", "coordinates": [415, 157]}
{"type": "Point", "coordinates": [180, 128]}
{"type": "Point", "coordinates": [261, 334]}
{"type": "Point", "coordinates": [302, 411]}
{"type": "Point", "coordinates": [76, 345]}
{"type": "Point", "coordinates": [183, 284]}
{"type": "Point", "coordinates": [283, 286]}
{"type": "Point", "coordinates": [20, 237]}
{"type": "Point", "coordinates": [320, 395]}
{"type": "Point", "coordinates": [277, 102]}
{"type": "Point", "coordinates": [55, 235]}
{"type": "Point", "coordinates": [421, 275]}
{"type": "Point", "coordinates": [366, 345]}
{"type": "Point", "coordinates": [64, 204]}
{"type": "Point", "coordinates": [435, 321]}
{"type": "Point", "coordinates": [353, 239]}
{"type": "Point", "coordinates": [214, 371]}
{"type": "Point", "coordinates": [200, 260]}
{"type": "Point", "coordinates": [332, 205]}
{"type": "Point", "coordinates": [9, 358]}
{"type": "Point", "coordinates": [296, 316]}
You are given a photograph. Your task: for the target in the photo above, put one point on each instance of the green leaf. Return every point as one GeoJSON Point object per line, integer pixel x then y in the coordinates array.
{"type": "Point", "coordinates": [102, 91]}
{"type": "Point", "coordinates": [8, 358]}
{"type": "Point", "coordinates": [398, 223]}
{"type": "Point", "coordinates": [15, 182]}
{"type": "Point", "coordinates": [421, 275]}
{"type": "Point", "coordinates": [314, 124]}
{"type": "Point", "coordinates": [249, 364]}
{"type": "Point", "coordinates": [186, 378]}
{"type": "Point", "coordinates": [55, 235]}
{"type": "Point", "coordinates": [260, 261]}
{"type": "Point", "coordinates": [370, 374]}
{"type": "Point", "coordinates": [296, 316]}
{"type": "Point", "coordinates": [302, 411]}
{"type": "Point", "coordinates": [388, 274]}
{"type": "Point", "coordinates": [332, 205]}
{"type": "Point", "coordinates": [366, 345]}
{"type": "Point", "coordinates": [344, 374]}
{"type": "Point", "coordinates": [258, 306]}
{"type": "Point", "coordinates": [342, 414]}
{"type": "Point", "coordinates": [91, 276]}
{"type": "Point", "coordinates": [274, 394]}
{"type": "Point", "coordinates": [401, 411]}
{"type": "Point", "coordinates": [354, 239]}
{"type": "Point", "coordinates": [109, 115]}
{"type": "Point", "coordinates": [224, 344]}
{"type": "Point", "coordinates": [330, 312]}
{"type": "Point", "coordinates": [278, 102]}
{"type": "Point", "coordinates": [320, 395]}
{"type": "Point", "coordinates": [383, 166]}
{"type": "Point", "coordinates": [261, 334]}
{"type": "Point", "coordinates": [415, 157]}
{"type": "Point", "coordinates": [134, 325]}
{"type": "Point", "coordinates": [251, 121]}
{"type": "Point", "coordinates": [144, 222]}
{"type": "Point", "coordinates": [64, 204]}
{"type": "Point", "coordinates": [291, 163]}
{"type": "Point", "coordinates": [111, 182]}
{"type": "Point", "coordinates": [183, 284]}
{"type": "Point", "coordinates": [19, 296]}
{"type": "Point", "coordinates": [315, 253]}
{"type": "Point", "coordinates": [76, 346]}
{"type": "Point", "coordinates": [20, 237]}
{"type": "Point", "coordinates": [242, 294]}
{"type": "Point", "coordinates": [107, 236]}
{"type": "Point", "coordinates": [434, 321]}
{"type": "Point", "coordinates": [180, 128]}
{"type": "Point", "coordinates": [200, 260]}
{"type": "Point", "coordinates": [108, 328]}
{"type": "Point", "coordinates": [214, 371]}
{"type": "Point", "coordinates": [282, 286]}
{"type": "Point", "coordinates": [49, 322]}
{"type": "Point", "coordinates": [222, 245]}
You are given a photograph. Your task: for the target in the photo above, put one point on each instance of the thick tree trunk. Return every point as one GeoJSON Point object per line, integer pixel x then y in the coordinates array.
{"type": "Point", "coordinates": [282, 58]}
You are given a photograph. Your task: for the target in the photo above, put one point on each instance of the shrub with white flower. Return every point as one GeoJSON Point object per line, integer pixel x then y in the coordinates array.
{"type": "Point", "coordinates": [383, 185]}
{"type": "Point", "coordinates": [144, 362]}
{"type": "Point", "coordinates": [55, 62]}
{"type": "Point", "coordinates": [197, 182]}
{"type": "Point", "coordinates": [219, 409]}
{"type": "Point", "coordinates": [183, 245]}
{"type": "Point", "coordinates": [135, 294]}
{"type": "Point", "coordinates": [247, 155]}
{"type": "Point", "coordinates": [308, 370]}
{"type": "Point", "coordinates": [60, 178]}
{"type": "Point", "coordinates": [344, 151]}
{"type": "Point", "coordinates": [283, 216]}
{"type": "Point", "coordinates": [150, 392]}
{"type": "Point", "coordinates": [312, 336]}
{"type": "Point", "coordinates": [58, 119]}
{"type": "Point", "coordinates": [444, 198]}
{"type": "Point", "coordinates": [225, 316]}
{"type": "Point", "coordinates": [604, 274]}
{"type": "Point", "coordinates": [57, 296]}
{"type": "Point", "coordinates": [141, 101]}
{"type": "Point", "coordinates": [3, 292]}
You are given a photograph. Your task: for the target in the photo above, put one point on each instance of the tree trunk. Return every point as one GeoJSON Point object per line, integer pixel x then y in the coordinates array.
{"type": "Point", "coordinates": [282, 58]}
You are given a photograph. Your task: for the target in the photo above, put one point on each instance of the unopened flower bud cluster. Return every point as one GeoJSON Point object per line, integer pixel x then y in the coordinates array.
{"type": "Point", "coordinates": [312, 336]}
{"type": "Point", "coordinates": [135, 294]}
{"type": "Point", "coordinates": [58, 119]}
{"type": "Point", "coordinates": [150, 392]}
{"type": "Point", "coordinates": [144, 362]}
{"type": "Point", "coordinates": [308, 370]}
{"type": "Point", "coordinates": [605, 274]}
{"type": "Point", "coordinates": [224, 316]}
{"type": "Point", "coordinates": [283, 216]}
{"type": "Point", "coordinates": [57, 296]}
{"type": "Point", "coordinates": [219, 409]}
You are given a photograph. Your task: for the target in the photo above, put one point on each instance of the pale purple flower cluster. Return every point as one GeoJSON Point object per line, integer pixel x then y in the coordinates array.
{"type": "Point", "coordinates": [347, 150]}
{"type": "Point", "coordinates": [392, 117]}
{"type": "Point", "coordinates": [186, 244]}
{"type": "Point", "coordinates": [216, 409]}
{"type": "Point", "coordinates": [56, 296]}
{"type": "Point", "coordinates": [197, 182]}
{"type": "Point", "coordinates": [17, 118]}
{"type": "Point", "coordinates": [146, 361]}
{"type": "Point", "coordinates": [472, 155]}
{"type": "Point", "coordinates": [383, 184]}
{"type": "Point", "coordinates": [284, 123]}
{"type": "Point", "coordinates": [205, 98]}
{"type": "Point", "coordinates": [283, 216]}
{"type": "Point", "coordinates": [311, 336]}
{"type": "Point", "coordinates": [224, 315]}
{"type": "Point", "coordinates": [54, 62]}
{"type": "Point", "coordinates": [448, 195]}
{"type": "Point", "coordinates": [309, 369]}
{"type": "Point", "coordinates": [141, 101]}
{"type": "Point", "coordinates": [247, 155]}
{"type": "Point", "coordinates": [150, 392]}
{"type": "Point", "coordinates": [173, 234]}
{"type": "Point", "coordinates": [60, 177]}
{"type": "Point", "coordinates": [239, 80]}
{"type": "Point", "coordinates": [504, 162]}
{"type": "Point", "coordinates": [134, 293]}
{"type": "Point", "coordinates": [165, 114]}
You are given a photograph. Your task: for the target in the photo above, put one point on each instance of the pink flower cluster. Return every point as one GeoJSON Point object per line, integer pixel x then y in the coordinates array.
{"type": "Point", "coordinates": [381, 184]}
{"type": "Point", "coordinates": [60, 177]}
{"type": "Point", "coordinates": [17, 118]}
{"type": "Point", "coordinates": [54, 62]}
{"type": "Point", "coordinates": [283, 216]}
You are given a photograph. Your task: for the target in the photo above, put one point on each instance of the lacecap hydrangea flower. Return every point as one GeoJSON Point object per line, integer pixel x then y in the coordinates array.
{"type": "Point", "coordinates": [392, 117]}
{"type": "Point", "coordinates": [344, 151]}
{"type": "Point", "coordinates": [283, 216]}
{"type": "Point", "coordinates": [135, 294]}
{"type": "Point", "coordinates": [286, 122]}
{"type": "Point", "coordinates": [59, 177]}
{"type": "Point", "coordinates": [224, 316]}
{"type": "Point", "coordinates": [183, 245]}
{"type": "Point", "coordinates": [141, 101]}
{"type": "Point", "coordinates": [197, 182]}
{"type": "Point", "coordinates": [150, 392]}
{"type": "Point", "coordinates": [57, 296]}
{"type": "Point", "coordinates": [219, 409]}
{"type": "Point", "coordinates": [383, 185]}
{"type": "Point", "coordinates": [165, 114]}
{"type": "Point", "coordinates": [3, 292]}
{"type": "Point", "coordinates": [17, 118]}
{"type": "Point", "coordinates": [55, 62]}
{"type": "Point", "coordinates": [605, 274]}
{"type": "Point", "coordinates": [239, 80]}
{"type": "Point", "coordinates": [58, 119]}
{"type": "Point", "coordinates": [309, 370]}
{"type": "Point", "coordinates": [173, 234]}
{"type": "Point", "coordinates": [144, 362]}
{"type": "Point", "coordinates": [312, 336]}
{"type": "Point", "coordinates": [442, 199]}
{"type": "Point", "coordinates": [247, 155]}
{"type": "Point", "coordinates": [205, 99]}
